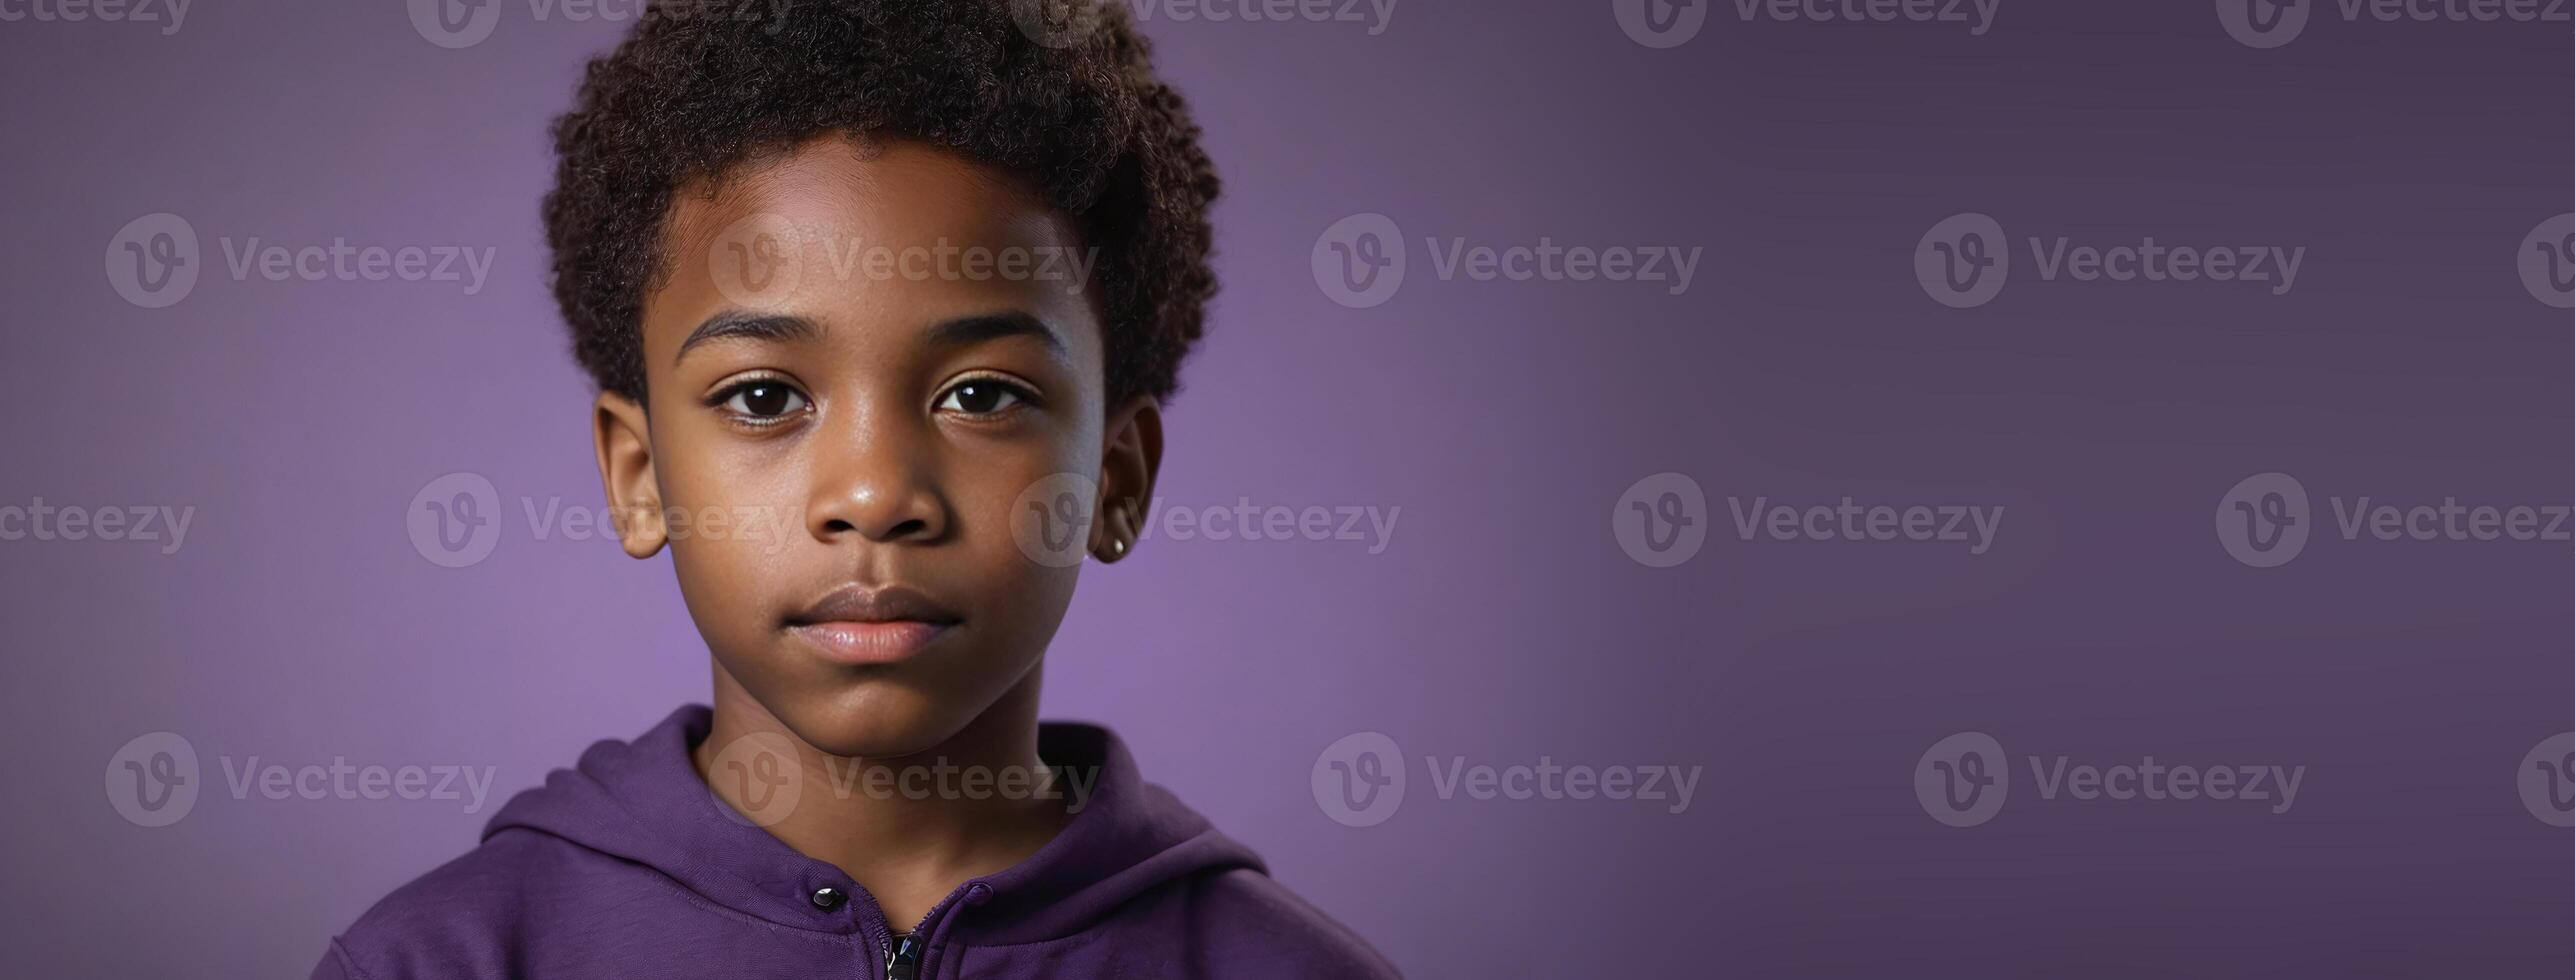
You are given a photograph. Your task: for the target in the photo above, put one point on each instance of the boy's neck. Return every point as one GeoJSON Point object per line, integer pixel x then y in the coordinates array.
{"type": "Point", "coordinates": [910, 844]}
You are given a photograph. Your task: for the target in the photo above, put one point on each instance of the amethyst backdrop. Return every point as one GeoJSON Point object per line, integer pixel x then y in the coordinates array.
{"type": "Point", "coordinates": [2121, 507]}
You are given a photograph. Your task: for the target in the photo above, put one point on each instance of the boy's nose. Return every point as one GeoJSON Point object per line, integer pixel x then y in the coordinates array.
{"type": "Point", "coordinates": [878, 482]}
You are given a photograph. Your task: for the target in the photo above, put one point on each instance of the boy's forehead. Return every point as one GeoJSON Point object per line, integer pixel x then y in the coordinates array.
{"type": "Point", "coordinates": [833, 228]}
{"type": "Point", "coordinates": [898, 193]}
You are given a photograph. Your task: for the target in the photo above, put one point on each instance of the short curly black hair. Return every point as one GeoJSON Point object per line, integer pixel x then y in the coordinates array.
{"type": "Point", "coordinates": [1077, 113]}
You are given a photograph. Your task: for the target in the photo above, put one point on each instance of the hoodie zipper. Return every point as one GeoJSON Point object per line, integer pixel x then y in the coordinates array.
{"type": "Point", "coordinates": [903, 956]}
{"type": "Point", "coordinates": [903, 949]}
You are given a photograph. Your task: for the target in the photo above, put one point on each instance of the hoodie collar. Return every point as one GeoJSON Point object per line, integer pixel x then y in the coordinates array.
{"type": "Point", "coordinates": [642, 801]}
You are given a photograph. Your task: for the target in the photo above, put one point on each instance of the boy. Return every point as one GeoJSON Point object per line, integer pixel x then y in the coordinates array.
{"type": "Point", "coordinates": [805, 255]}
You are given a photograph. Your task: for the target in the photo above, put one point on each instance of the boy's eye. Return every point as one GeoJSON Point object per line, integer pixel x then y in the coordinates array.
{"type": "Point", "coordinates": [763, 400]}
{"type": "Point", "coordinates": [981, 396]}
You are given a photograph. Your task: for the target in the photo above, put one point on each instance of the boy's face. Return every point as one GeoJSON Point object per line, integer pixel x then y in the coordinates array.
{"type": "Point", "coordinates": [863, 360]}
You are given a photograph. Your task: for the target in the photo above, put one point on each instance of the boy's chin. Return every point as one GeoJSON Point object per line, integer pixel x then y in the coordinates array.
{"type": "Point", "coordinates": [876, 725]}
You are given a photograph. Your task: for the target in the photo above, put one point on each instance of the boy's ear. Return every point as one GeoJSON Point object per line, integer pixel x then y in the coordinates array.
{"type": "Point", "coordinates": [1128, 465]}
{"type": "Point", "coordinates": [625, 443]}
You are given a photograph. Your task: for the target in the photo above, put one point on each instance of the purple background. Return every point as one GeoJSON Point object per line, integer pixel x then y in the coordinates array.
{"type": "Point", "coordinates": [1504, 622]}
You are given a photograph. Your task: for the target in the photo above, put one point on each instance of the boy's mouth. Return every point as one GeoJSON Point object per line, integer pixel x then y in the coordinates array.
{"type": "Point", "coordinates": [858, 625]}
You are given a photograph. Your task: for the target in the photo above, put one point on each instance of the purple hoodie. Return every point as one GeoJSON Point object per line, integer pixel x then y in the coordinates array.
{"type": "Point", "coordinates": [629, 868]}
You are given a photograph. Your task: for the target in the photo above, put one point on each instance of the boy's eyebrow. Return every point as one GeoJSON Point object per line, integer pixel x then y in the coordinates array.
{"type": "Point", "coordinates": [961, 332]}
{"type": "Point", "coordinates": [971, 330]}
{"type": "Point", "coordinates": [752, 326]}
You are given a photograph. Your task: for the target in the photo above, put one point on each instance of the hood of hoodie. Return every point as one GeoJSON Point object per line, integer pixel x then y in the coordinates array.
{"type": "Point", "coordinates": [642, 801]}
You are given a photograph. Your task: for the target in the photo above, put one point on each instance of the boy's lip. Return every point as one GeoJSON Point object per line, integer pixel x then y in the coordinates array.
{"type": "Point", "coordinates": [859, 625]}
{"type": "Point", "coordinates": [882, 604]}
